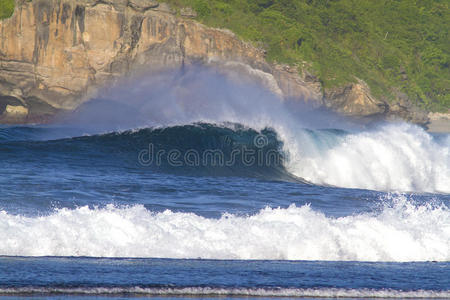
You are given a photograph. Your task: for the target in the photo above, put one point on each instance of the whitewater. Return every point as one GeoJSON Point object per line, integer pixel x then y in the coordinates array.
{"type": "Point", "coordinates": [399, 232]}
{"type": "Point", "coordinates": [398, 157]}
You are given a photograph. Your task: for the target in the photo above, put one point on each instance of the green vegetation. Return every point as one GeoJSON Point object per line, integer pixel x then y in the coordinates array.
{"type": "Point", "coordinates": [6, 8]}
{"type": "Point", "coordinates": [393, 45]}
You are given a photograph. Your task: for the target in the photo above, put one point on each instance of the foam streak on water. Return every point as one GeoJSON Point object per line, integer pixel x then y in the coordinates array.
{"type": "Point", "coordinates": [401, 231]}
{"type": "Point", "coordinates": [210, 291]}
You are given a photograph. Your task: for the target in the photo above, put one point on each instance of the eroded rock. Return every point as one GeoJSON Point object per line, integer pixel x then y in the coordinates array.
{"type": "Point", "coordinates": [354, 100]}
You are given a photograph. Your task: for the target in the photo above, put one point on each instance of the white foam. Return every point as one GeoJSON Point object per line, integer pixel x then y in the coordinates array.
{"type": "Point", "coordinates": [399, 157]}
{"type": "Point", "coordinates": [399, 232]}
{"type": "Point", "coordinates": [247, 292]}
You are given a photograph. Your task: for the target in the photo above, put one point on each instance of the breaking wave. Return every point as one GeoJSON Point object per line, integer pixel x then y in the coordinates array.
{"type": "Point", "coordinates": [400, 231]}
{"type": "Point", "coordinates": [395, 157]}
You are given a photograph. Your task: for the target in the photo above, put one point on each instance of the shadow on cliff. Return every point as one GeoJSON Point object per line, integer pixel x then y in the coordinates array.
{"type": "Point", "coordinates": [196, 94]}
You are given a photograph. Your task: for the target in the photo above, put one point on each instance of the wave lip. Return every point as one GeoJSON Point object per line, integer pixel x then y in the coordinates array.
{"type": "Point", "coordinates": [213, 291]}
{"type": "Point", "coordinates": [400, 232]}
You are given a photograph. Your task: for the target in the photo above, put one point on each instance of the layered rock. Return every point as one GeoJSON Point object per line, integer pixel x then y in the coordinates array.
{"type": "Point", "coordinates": [55, 54]}
{"type": "Point", "coordinates": [61, 51]}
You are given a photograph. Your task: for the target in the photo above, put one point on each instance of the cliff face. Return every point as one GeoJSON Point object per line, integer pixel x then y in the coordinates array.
{"type": "Point", "coordinates": [55, 54]}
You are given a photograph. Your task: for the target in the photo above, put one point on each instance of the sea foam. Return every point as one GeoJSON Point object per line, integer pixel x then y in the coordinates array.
{"type": "Point", "coordinates": [395, 157]}
{"type": "Point", "coordinates": [400, 231]}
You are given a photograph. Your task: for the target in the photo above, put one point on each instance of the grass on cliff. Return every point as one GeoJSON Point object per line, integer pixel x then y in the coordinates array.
{"type": "Point", "coordinates": [393, 45]}
{"type": "Point", "coordinates": [6, 8]}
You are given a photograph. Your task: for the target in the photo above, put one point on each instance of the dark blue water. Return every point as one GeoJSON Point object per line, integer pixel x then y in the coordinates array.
{"type": "Point", "coordinates": [98, 215]}
{"type": "Point", "coordinates": [153, 277]}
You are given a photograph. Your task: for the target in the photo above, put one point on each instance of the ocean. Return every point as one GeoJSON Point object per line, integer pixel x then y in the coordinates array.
{"type": "Point", "coordinates": [236, 200]}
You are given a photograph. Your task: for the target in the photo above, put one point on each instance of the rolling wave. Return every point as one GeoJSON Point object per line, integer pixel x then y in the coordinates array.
{"type": "Point", "coordinates": [195, 149]}
{"type": "Point", "coordinates": [401, 231]}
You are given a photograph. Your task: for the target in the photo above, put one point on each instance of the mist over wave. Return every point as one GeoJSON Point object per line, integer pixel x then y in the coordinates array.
{"type": "Point", "coordinates": [394, 157]}
{"type": "Point", "coordinates": [399, 231]}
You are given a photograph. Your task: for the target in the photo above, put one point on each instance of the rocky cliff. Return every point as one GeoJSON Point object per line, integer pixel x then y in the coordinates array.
{"type": "Point", "coordinates": [55, 54]}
